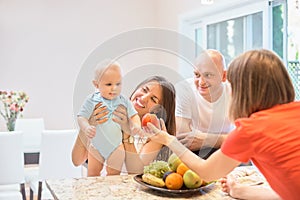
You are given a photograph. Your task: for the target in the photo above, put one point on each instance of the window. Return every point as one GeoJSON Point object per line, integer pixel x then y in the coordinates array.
{"type": "Point", "coordinates": [233, 36]}
{"type": "Point", "coordinates": [232, 29]}
{"type": "Point", "coordinates": [238, 28]}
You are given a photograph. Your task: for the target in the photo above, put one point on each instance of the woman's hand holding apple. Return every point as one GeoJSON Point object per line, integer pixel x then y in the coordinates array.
{"type": "Point", "coordinates": [152, 118]}
{"type": "Point", "coordinates": [157, 135]}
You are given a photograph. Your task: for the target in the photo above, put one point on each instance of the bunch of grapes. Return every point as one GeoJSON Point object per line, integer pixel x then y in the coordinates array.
{"type": "Point", "coordinates": [157, 168]}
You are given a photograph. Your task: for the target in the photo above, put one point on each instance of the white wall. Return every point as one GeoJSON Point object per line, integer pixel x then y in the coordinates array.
{"type": "Point", "coordinates": [44, 44]}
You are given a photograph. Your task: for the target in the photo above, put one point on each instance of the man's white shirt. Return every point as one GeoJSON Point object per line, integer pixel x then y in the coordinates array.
{"type": "Point", "coordinates": [206, 116]}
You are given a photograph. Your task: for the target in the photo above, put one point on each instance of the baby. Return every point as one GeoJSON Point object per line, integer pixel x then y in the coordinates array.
{"type": "Point", "coordinates": [106, 137]}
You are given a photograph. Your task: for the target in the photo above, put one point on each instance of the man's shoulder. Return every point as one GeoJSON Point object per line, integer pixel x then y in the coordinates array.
{"type": "Point", "coordinates": [227, 88]}
{"type": "Point", "coordinates": [227, 84]}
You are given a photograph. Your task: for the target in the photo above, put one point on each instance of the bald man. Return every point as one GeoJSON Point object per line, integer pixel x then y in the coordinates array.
{"type": "Point", "coordinates": [202, 104]}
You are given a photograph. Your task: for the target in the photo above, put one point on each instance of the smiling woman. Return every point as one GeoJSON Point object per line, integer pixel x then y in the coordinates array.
{"type": "Point", "coordinates": [146, 96]}
{"type": "Point", "coordinates": [153, 91]}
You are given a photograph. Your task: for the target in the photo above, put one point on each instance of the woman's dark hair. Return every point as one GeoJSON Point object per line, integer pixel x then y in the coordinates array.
{"type": "Point", "coordinates": [259, 81]}
{"type": "Point", "coordinates": [167, 109]}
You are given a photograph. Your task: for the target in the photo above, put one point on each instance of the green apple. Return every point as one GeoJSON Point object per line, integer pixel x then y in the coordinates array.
{"type": "Point", "coordinates": [173, 162]}
{"type": "Point", "coordinates": [191, 179]}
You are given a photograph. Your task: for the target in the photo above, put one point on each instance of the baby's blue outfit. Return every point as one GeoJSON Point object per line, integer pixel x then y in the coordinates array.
{"type": "Point", "coordinates": [109, 134]}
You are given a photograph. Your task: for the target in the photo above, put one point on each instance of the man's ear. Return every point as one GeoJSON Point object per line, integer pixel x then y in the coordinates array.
{"type": "Point", "coordinates": [224, 77]}
{"type": "Point", "coordinates": [95, 83]}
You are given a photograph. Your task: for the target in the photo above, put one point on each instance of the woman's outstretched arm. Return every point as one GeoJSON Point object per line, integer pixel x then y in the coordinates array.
{"type": "Point", "coordinates": [216, 166]}
{"type": "Point", "coordinates": [134, 160]}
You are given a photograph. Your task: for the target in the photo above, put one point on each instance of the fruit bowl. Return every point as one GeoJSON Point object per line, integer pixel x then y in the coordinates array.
{"type": "Point", "coordinates": [138, 179]}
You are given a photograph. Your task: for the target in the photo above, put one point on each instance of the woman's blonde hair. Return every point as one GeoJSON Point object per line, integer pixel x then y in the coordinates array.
{"type": "Point", "coordinates": [259, 80]}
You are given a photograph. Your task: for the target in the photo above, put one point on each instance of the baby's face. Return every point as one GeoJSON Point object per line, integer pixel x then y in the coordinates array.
{"type": "Point", "coordinates": [110, 83]}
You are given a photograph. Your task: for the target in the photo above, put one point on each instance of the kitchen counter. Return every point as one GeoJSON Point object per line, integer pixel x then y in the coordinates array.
{"type": "Point", "coordinates": [125, 187]}
{"type": "Point", "coordinates": [121, 187]}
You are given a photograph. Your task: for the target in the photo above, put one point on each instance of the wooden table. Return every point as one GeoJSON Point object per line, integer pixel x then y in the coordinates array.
{"type": "Point", "coordinates": [121, 187]}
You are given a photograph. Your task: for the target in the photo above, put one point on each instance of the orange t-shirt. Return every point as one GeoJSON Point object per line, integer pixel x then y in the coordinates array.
{"type": "Point", "coordinates": [271, 139]}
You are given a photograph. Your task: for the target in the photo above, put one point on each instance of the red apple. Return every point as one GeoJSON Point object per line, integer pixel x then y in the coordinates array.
{"type": "Point", "coordinates": [152, 118]}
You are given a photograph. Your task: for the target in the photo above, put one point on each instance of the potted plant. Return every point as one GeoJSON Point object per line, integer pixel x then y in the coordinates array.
{"type": "Point", "coordinates": [13, 106]}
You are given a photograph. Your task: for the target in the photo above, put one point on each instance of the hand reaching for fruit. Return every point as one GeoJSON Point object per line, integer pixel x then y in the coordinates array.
{"type": "Point", "coordinates": [148, 118]}
{"type": "Point", "coordinates": [160, 136]}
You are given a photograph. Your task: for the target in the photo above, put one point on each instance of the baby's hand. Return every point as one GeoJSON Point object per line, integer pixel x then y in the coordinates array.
{"type": "Point", "coordinates": [90, 131]}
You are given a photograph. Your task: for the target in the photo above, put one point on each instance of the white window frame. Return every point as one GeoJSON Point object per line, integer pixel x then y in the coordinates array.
{"type": "Point", "coordinates": [189, 22]}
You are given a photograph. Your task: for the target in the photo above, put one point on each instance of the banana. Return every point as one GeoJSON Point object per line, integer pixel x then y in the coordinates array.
{"type": "Point", "coordinates": [153, 180]}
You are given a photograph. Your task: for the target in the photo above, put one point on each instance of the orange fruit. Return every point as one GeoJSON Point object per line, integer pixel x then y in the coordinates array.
{"type": "Point", "coordinates": [174, 181]}
{"type": "Point", "coordinates": [181, 169]}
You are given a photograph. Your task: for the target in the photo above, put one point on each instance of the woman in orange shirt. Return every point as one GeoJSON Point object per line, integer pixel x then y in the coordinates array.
{"type": "Point", "coordinates": [267, 126]}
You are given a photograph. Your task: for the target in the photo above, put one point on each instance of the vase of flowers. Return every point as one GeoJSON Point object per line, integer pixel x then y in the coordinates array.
{"type": "Point", "coordinates": [12, 107]}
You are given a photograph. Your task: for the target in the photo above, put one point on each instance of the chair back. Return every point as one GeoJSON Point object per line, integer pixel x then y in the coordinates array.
{"type": "Point", "coordinates": [55, 155]}
{"type": "Point", "coordinates": [32, 130]}
{"type": "Point", "coordinates": [11, 158]}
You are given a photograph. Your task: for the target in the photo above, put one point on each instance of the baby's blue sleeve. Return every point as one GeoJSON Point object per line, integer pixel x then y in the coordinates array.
{"type": "Point", "coordinates": [87, 108]}
{"type": "Point", "coordinates": [130, 108]}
